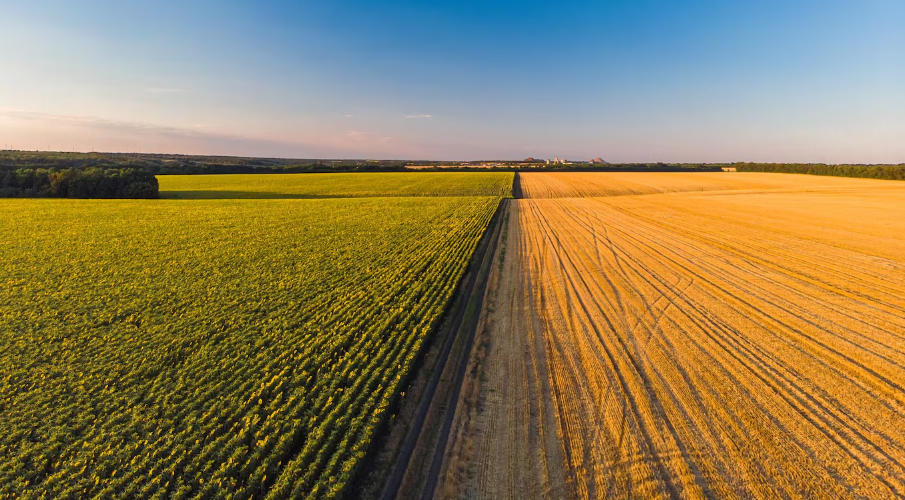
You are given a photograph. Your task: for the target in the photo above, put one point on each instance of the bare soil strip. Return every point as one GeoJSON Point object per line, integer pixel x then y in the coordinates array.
{"type": "Point", "coordinates": [418, 455]}
{"type": "Point", "coordinates": [727, 341]}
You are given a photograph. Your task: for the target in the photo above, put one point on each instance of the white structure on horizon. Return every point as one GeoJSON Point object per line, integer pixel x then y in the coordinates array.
{"type": "Point", "coordinates": [555, 160]}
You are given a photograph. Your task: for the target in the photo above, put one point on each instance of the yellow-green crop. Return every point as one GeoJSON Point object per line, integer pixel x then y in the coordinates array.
{"type": "Point", "coordinates": [213, 348]}
{"type": "Point", "coordinates": [336, 185]}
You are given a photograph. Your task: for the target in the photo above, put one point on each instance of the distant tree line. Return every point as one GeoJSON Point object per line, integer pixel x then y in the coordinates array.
{"type": "Point", "coordinates": [625, 167]}
{"type": "Point", "coordinates": [90, 182]}
{"type": "Point", "coordinates": [578, 167]}
{"type": "Point", "coordinates": [167, 164]}
{"type": "Point", "coordinates": [890, 172]}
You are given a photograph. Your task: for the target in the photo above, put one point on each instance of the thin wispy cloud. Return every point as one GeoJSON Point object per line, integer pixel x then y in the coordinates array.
{"type": "Point", "coordinates": [348, 115]}
{"type": "Point", "coordinates": [90, 121]}
{"type": "Point", "coordinates": [26, 129]}
{"type": "Point", "coordinates": [368, 137]}
{"type": "Point", "coordinates": [418, 116]}
{"type": "Point", "coordinates": [165, 90]}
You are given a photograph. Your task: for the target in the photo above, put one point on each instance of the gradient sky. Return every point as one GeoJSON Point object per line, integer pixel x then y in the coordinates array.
{"type": "Point", "coordinates": [633, 80]}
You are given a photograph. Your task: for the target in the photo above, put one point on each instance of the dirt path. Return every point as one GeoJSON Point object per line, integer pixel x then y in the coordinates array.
{"type": "Point", "coordinates": [722, 344]}
{"type": "Point", "coordinates": [416, 464]}
{"type": "Point", "coordinates": [504, 443]}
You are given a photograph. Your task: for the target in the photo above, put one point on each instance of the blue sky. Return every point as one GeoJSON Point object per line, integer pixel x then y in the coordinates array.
{"type": "Point", "coordinates": [818, 81]}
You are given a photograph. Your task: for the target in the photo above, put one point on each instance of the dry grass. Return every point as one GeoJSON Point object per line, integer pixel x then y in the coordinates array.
{"type": "Point", "coordinates": [747, 342]}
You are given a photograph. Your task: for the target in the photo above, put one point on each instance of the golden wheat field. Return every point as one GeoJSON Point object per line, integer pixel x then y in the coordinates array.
{"type": "Point", "coordinates": [717, 335]}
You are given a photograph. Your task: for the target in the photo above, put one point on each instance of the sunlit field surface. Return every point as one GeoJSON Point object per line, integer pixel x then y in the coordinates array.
{"type": "Point", "coordinates": [336, 185]}
{"type": "Point", "coordinates": [589, 185]}
{"type": "Point", "coordinates": [740, 337]}
{"type": "Point", "coordinates": [216, 348]}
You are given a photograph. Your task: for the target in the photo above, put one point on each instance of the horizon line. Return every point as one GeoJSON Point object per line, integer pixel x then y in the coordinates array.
{"type": "Point", "coordinates": [486, 160]}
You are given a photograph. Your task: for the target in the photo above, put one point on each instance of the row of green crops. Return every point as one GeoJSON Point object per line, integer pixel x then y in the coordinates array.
{"type": "Point", "coordinates": [213, 348]}
{"type": "Point", "coordinates": [336, 185]}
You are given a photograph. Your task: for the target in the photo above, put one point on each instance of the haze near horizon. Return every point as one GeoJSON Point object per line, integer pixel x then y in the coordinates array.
{"type": "Point", "coordinates": [643, 81]}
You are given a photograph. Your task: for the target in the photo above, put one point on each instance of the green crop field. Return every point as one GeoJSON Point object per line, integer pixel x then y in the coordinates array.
{"type": "Point", "coordinates": [230, 348]}
{"type": "Point", "coordinates": [336, 185]}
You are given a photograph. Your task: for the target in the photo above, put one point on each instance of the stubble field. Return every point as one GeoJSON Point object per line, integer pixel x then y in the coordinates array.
{"type": "Point", "coordinates": [735, 336]}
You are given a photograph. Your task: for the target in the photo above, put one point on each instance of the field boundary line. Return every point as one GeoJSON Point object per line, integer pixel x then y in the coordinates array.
{"type": "Point", "coordinates": [479, 270]}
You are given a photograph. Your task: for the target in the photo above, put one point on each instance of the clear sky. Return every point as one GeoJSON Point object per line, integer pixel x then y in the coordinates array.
{"type": "Point", "coordinates": [632, 80]}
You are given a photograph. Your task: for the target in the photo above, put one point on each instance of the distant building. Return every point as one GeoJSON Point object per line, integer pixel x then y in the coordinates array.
{"type": "Point", "coordinates": [548, 161]}
{"type": "Point", "coordinates": [555, 160]}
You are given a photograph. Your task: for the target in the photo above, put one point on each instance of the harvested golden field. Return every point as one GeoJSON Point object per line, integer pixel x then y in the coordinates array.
{"type": "Point", "coordinates": [583, 185]}
{"type": "Point", "coordinates": [747, 342]}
